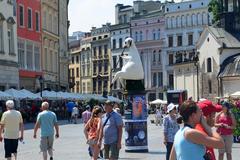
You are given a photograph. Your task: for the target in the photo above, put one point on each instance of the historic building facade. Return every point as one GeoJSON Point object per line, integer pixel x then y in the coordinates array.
{"type": "Point", "coordinates": [9, 76]}
{"type": "Point", "coordinates": [63, 44]}
{"type": "Point", "coordinates": [29, 43]}
{"type": "Point", "coordinates": [148, 31]}
{"type": "Point", "coordinates": [86, 64]}
{"type": "Point", "coordinates": [74, 66]}
{"type": "Point", "coordinates": [50, 43]}
{"type": "Point", "coordinates": [101, 53]}
{"type": "Point", "coordinates": [185, 22]}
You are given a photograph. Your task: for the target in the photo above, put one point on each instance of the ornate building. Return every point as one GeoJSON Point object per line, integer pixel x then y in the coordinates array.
{"type": "Point", "coordinates": [101, 53]}
{"type": "Point", "coordinates": [9, 76]}
{"type": "Point", "coordinates": [50, 43]}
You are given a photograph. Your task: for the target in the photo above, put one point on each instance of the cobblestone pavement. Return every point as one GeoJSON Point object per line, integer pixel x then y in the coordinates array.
{"type": "Point", "coordinates": [72, 145]}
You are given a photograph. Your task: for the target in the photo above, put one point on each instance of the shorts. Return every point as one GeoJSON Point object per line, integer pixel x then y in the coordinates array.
{"type": "Point", "coordinates": [10, 146]}
{"type": "Point", "coordinates": [111, 151]}
{"type": "Point", "coordinates": [46, 143]}
{"type": "Point", "coordinates": [228, 141]}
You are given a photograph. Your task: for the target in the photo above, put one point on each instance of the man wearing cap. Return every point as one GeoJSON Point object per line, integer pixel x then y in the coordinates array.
{"type": "Point", "coordinates": [11, 123]}
{"type": "Point", "coordinates": [170, 128]}
{"type": "Point", "coordinates": [111, 131]}
{"type": "Point", "coordinates": [209, 110]}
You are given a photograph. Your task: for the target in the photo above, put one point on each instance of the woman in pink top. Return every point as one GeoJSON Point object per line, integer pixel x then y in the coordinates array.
{"type": "Point", "coordinates": [91, 131]}
{"type": "Point", "coordinates": [225, 123]}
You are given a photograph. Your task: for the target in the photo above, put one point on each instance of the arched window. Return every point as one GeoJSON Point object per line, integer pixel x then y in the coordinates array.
{"type": "Point", "coordinates": [114, 44]}
{"type": "Point", "coordinates": [141, 36]}
{"type": "Point", "coordinates": [120, 42]}
{"type": "Point", "coordinates": [189, 20]}
{"type": "Point", "coordinates": [173, 22]}
{"type": "Point", "coordinates": [205, 18]}
{"type": "Point", "coordinates": [178, 21]}
{"type": "Point", "coordinates": [194, 20]}
{"type": "Point", "coordinates": [209, 65]}
{"type": "Point", "coordinates": [199, 18]}
{"type": "Point", "coordinates": [146, 34]}
{"type": "Point", "coordinates": [169, 24]}
{"type": "Point", "coordinates": [183, 19]}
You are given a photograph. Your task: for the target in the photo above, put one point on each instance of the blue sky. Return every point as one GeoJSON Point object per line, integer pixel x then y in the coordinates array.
{"type": "Point", "coordinates": [84, 14]}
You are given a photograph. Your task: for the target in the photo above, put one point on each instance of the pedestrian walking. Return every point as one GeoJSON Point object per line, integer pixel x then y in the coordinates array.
{"type": "Point", "coordinates": [86, 115]}
{"type": "Point", "coordinates": [189, 143]}
{"type": "Point", "coordinates": [47, 121]}
{"type": "Point", "coordinates": [225, 123]}
{"type": "Point", "coordinates": [70, 106]}
{"type": "Point", "coordinates": [170, 128]}
{"type": "Point", "coordinates": [111, 132]}
{"type": "Point", "coordinates": [209, 111]}
{"type": "Point", "coordinates": [92, 131]}
{"type": "Point", "coordinates": [11, 124]}
{"type": "Point", "coordinates": [75, 113]}
{"type": "Point", "coordinates": [158, 116]}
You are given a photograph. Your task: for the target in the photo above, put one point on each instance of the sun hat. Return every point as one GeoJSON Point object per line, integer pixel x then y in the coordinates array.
{"type": "Point", "coordinates": [170, 107]}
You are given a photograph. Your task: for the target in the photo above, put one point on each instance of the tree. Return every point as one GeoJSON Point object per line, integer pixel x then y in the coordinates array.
{"type": "Point", "coordinates": [214, 8]}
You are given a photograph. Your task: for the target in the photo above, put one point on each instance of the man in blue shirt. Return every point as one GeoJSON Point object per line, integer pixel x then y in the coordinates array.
{"type": "Point", "coordinates": [47, 120]}
{"type": "Point", "coordinates": [111, 132]}
{"type": "Point", "coordinates": [70, 106]}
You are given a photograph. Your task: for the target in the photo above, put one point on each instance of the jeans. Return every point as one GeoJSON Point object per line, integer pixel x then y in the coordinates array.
{"type": "Point", "coordinates": [169, 148]}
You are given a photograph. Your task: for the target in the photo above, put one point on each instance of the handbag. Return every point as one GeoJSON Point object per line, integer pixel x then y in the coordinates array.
{"type": "Point", "coordinates": [91, 142]}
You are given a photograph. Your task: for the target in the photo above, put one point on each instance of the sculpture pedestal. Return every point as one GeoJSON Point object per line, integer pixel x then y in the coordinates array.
{"type": "Point", "coordinates": [136, 139]}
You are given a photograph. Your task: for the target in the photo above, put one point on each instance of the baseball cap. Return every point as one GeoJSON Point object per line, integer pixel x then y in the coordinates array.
{"type": "Point", "coordinates": [208, 107]}
{"type": "Point", "coordinates": [170, 107]}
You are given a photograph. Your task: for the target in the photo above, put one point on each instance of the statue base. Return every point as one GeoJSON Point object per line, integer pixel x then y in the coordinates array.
{"type": "Point", "coordinates": [136, 137]}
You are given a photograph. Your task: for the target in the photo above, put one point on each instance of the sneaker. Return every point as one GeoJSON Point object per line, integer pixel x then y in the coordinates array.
{"type": "Point", "coordinates": [51, 158]}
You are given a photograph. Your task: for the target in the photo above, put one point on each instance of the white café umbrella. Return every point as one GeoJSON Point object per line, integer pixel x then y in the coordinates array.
{"type": "Point", "coordinates": [158, 101]}
{"type": "Point", "coordinates": [5, 96]}
{"type": "Point", "coordinates": [16, 94]}
{"type": "Point", "coordinates": [114, 99]}
{"type": "Point", "coordinates": [236, 94]}
{"type": "Point", "coordinates": [30, 95]}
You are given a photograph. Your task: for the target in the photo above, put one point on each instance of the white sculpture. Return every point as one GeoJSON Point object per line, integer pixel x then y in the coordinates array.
{"type": "Point", "coordinates": [132, 68]}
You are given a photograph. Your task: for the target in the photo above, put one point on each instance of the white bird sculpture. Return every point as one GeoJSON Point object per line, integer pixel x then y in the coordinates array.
{"type": "Point", "coordinates": [132, 69]}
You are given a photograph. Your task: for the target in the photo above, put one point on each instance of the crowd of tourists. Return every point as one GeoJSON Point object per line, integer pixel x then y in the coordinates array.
{"type": "Point", "coordinates": [194, 139]}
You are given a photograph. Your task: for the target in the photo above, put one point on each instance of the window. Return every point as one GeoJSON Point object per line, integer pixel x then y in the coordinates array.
{"type": "Point", "coordinates": [49, 27]}
{"type": "Point", "coordinates": [179, 40]}
{"type": "Point", "coordinates": [1, 37]}
{"type": "Point", "coordinates": [37, 21]}
{"type": "Point", "coordinates": [209, 65]}
{"type": "Point", "coordinates": [154, 34]}
{"type": "Point", "coordinates": [125, 18]}
{"type": "Point", "coordinates": [100, 51]}
{"type": "Point", "coordinates": [141, 36]}
{"type": "Point", "coordinates": [99, 67]}
{"type": "Point", "coordinates": [158, 34]}
{"type": "Point", "coordinates": [94, 68]}
{"type": "Point", "coordinates": [160, 79]}
{"type": "Point", "coordinates": [72, 59]}
{"type": "Point", "coordinates": [21, 55]}
{"type": "Point", "coordinates": [29, 56]}
{"type": "Point", "coordinates": [83, 71]}
{"type": "Point", "coordinates": [114, 62]}
{"type": "Point", "coordinates": [37, 58]}
{"type": "Point", "coordinates": [21, 15]}
{"type": "Point", "coordinates": [170, 41]}
{"type": "Point", "coordinates": [29, 18]}
{"type": "Point", "coordinates": [114, 44]}
{"type": "Point", "coordinates": [120, 42]}
{"type": "Point", "coordinates": [209, 86]}
{"type": "Point", "coordinates": [46, 58]}
{"type": "Point", "coordinates": [77, 86]}
{"type": "Point", "coordinates": [77, 59]}
{"type": "Point", "coordinates": [105, 49]}
{"type": "Point", "coordinates": [45, 20]}
{"type": "Point", "coordinates": [94, 51]}
{"type": "Point", "coordinates": [159, 57]}
{"type": "Point", "coordinates": [105, 67]}
{"type": "Point", "coordinates": [120, 61]}
{"type": "Point", "coordinates": [154, 56]}
{"type": "Point", "coordinates": [154, 84]}
{"type": "Point", "coordinates": [10, 40]}
{"type": "Point", "coordinates": [190, 39]}
{"type": "Point", "coordinates": [77, 72]}
{"type": "Point", "coordinates": [170, 59]}
{"type": "Point", "coordinates": [136, 36]}
{"type": "Point", "coordinates": [171, 81]}
{"type": "Point", "coordinates": [50, 61]}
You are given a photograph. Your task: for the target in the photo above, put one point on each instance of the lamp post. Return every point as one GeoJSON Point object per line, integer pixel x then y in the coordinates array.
{"type": "Point", "coordinates": [41, 84]}
{"type": "Point", "coordinates": [196, 64]}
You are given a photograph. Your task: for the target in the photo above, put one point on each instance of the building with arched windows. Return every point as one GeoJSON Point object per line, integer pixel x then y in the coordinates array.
{"type": "Point", "coordinates": [9, 76]}
{"type": "Point", "coordinates": [185, 22]}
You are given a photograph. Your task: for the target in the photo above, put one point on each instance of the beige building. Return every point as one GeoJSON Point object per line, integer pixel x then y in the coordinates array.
{"type": "Point", "coordinates": [9, 76]}
{"type": "Point", "coordinates": [50, 43]}
{"type": "Point", "coordinates": [74, 66]}
{"type": "Point", "coordinates": [63, 41]}
{"type": "Point", "coordinates": [101, 53]}
{"type": "Point", "coordinates": [86, 64]}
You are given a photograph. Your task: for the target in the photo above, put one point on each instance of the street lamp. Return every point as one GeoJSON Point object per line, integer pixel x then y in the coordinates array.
{"type": "Point", "coordinates": [196, 63]}
{"type": "Point", "coordinates": [41, 84]}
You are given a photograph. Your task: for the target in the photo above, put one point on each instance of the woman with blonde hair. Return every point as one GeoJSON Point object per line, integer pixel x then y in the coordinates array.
{"type": "Point", "coordinates": [91, 131]}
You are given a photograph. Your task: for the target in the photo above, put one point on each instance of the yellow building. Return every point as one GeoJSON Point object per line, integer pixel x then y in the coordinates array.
{"type": "Point", "coordinates": [74, 66]}
{"type": "Point", "coordinates": [101, 53]}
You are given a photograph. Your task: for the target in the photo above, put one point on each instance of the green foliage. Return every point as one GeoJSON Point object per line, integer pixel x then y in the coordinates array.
{"type": "Point", "coordinates": [236, 111]}
{"type": "Point", "coordinates": [214, 8]}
